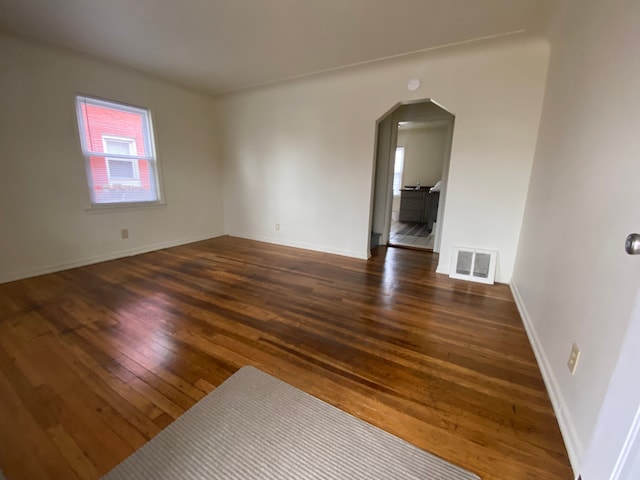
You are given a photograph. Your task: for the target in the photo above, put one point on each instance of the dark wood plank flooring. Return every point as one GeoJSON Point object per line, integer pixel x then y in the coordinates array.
{"type": "Point", "coordinates": [96, 360]}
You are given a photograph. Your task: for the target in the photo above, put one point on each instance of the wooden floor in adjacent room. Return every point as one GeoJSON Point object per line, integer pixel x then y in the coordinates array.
{"type": "Point", "coordinates": [96, 360]}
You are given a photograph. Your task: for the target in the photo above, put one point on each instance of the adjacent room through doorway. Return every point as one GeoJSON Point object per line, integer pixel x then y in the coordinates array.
{"type": "Point", "coordinates": [417, 180]}
{"type": "Point", "coordinates": [412, 163]}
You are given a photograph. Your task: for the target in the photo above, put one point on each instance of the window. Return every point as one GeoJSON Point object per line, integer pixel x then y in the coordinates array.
{"type": "Point", "coordinates": [117, 144]}
{"type": "Point", "coordinates": [397, 170]}
{"type": "Point", "coordinates": [121, 171]}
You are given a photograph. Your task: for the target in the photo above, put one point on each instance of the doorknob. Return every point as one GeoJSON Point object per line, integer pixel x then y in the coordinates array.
{"type": "Point", "coordinates": [632, 244]}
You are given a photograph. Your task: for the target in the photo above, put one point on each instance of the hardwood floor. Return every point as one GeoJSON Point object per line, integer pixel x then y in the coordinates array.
{"type": "Point", "coordinates": [95, 361]}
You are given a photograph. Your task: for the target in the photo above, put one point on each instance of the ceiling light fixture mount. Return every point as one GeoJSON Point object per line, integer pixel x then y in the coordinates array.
{"type": "Point", "coordinates": [413, 84]}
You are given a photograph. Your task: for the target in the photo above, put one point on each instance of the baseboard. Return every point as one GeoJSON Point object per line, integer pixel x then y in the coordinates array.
{"type": "Point", "coordinates": [443, 269]}
{"type": "Point", "coordinates": [33, 272]}
{"type": "Point", "coordinates": [572, 442]}
{"type": "Point", "coordinates": [303, 246]}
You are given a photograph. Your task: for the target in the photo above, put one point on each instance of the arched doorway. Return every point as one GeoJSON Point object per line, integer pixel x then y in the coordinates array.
{"type": "Point", "coordinates": [423, 208]}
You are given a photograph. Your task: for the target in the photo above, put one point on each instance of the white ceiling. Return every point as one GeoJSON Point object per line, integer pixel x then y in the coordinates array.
{"type": "Point", "coordinates": [225, 45]}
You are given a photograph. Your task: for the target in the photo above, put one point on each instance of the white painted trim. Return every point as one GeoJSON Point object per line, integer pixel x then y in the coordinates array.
{"type": "Point", "coordinates": [572, 442]}
{"type": "Point", "coordinates": [33, 272]}
{"type": "Point", "coordinates": [418, 125]}
{"type": "Point", "coordinates": [443, 269]}
{"type": "Point", "coordinates": [390, 158]}
{"type": "Point", "coordinates": [633, 439]}
{"type": "Point", "coordinates": [446, 163]}
{"type": "Point", "coordinates": [303, 246]}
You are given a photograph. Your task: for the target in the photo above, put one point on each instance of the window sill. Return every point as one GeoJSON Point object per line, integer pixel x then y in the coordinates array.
{"type": "Point", "coordinates": [113, 207]}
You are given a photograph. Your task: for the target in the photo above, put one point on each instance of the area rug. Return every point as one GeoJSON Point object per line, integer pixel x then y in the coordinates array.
{"type": "Point", "coordinates": [255, 426]}
{"type": "Point", "coordinates": [414, 229]}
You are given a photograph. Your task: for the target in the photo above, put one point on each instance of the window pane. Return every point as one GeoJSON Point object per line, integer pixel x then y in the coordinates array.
{"type": "Point", "coordinates": [107, 127]}
{"type": "Point", "coordinates": [121, 169]}
{"type": "Point", "coordinates": [117, 146]}
{"type": "Point", "coordinates": [121, 181]}
{"type": "Point", "coordinates": [397, 170]}
{"type": "Point", "coordinates": [124, 194]}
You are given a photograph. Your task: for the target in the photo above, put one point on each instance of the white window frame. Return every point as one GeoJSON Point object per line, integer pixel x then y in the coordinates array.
{"type": "Point", "coordinates": [398, 174]}
{"type": "Point", "coordinates": [133, 152]}
{"type": "Point", "coordinates": [150, 156]}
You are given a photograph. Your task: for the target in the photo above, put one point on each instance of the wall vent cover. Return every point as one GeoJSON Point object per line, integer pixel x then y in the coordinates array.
{"type": "Point", "coordinates": [473, 264]}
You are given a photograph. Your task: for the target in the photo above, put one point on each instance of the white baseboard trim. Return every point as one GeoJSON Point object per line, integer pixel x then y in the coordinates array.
{"type": "Point", "coordinates": [443, 269]}
{"type": "Point", "coordinates": [33, 272]}
{"type": "Point", "coordinates": [572, 442]}
{"type": "Point", "coordinates": [303, 246]}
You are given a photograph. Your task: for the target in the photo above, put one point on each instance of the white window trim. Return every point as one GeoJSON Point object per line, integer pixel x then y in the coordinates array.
{"type": "Point", "coordinates": [396, 193]}
{"type": "Point", "coordinates": [133, 151]}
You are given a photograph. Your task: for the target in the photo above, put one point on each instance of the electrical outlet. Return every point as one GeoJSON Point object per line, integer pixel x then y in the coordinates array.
{"type": "Point", "coordinates": [574, 356]}
{"type": "Point", "coordinates": [277, 227]}
{"type": "Point", "coordinates": [124, 233]}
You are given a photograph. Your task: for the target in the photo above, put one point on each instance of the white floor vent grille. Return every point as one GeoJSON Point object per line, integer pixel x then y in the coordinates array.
{"type": "Point", "coordinates": [473, 264]}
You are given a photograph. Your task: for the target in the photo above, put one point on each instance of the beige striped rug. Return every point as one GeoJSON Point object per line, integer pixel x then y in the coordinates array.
{"type": "Point", "coordinates": [255, 426]}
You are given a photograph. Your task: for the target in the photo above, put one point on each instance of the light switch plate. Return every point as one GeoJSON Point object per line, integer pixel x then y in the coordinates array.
{"type": "Point", "coordinates": [574, 356]}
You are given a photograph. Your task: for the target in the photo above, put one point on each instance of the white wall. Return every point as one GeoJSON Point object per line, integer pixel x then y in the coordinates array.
{"type": "Point", "coordinates": [300, 153]}
{"type": "Point", "coordinates": [43, 189]}
{"type": "Point", "coordinates": [572, 277]}
{"type": "Point", "coordinates": [424, 150]}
